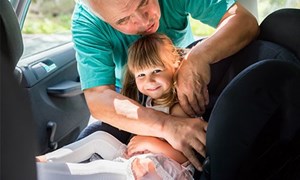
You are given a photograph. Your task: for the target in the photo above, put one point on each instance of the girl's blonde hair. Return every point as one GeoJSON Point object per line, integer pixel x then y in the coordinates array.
{"type": "Point", "coordinates": [144, 53]}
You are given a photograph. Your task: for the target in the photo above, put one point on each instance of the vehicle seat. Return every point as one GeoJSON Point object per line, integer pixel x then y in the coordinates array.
{"type": "Point", "coordinates": [282, 27]}
{"type": "Point", "coordinates": [254, 127]}
{"type": "Point", "coordinates": [18, 143]}
{"type": "Point", "coordinates": [278, 39]}
{"type": "Point", "coordinates": [11, 37]}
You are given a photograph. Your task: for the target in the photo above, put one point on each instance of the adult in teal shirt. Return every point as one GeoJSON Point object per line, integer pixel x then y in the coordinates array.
{"type": "Point", "coordinates": [104, 29]}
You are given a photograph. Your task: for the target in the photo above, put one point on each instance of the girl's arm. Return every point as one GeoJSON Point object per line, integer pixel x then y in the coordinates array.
{"type": "Point", "coordinates": [143, 144]}
{"type": "Point", "coordinates": [176, 110]}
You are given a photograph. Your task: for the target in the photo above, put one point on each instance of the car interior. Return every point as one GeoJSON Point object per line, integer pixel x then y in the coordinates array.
{"type": "Point", "coordinates": [53, 87]}
{"type": "Point", "coordinates": [265, 145]}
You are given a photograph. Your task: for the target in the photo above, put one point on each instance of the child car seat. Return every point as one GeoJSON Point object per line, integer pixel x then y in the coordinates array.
{"type": "Point", "coordinates": [254, 128]}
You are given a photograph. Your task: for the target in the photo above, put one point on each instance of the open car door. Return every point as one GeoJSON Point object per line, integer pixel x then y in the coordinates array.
{"type": "Point", "coordinates": [51, 81]}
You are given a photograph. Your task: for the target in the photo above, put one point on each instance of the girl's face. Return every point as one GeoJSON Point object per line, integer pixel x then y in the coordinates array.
{"type": "Point", "coordinates": [154, 81]}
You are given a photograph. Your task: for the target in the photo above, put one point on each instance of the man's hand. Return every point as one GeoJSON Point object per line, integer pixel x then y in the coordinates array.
{"type": "Point", "coordinates": [187, 135]}
{"type": "Point", "coordinates": [192, 81]}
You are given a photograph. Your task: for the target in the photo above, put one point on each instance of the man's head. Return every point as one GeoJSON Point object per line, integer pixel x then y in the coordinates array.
{"type": "Point", "coordinates": [128, 16]}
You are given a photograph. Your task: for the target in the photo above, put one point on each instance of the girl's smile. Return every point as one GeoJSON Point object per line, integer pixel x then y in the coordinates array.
{"type": "Point", "coordinates": [154, 81]}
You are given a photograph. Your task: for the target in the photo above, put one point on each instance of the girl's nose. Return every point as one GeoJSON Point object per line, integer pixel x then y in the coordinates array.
{"type": "Point", "coordinates": [150, 79]}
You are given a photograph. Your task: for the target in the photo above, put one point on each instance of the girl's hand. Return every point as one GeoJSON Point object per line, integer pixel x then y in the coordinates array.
{"type": "Point", "coordinates": [146, 144]}
{"type": "Point", "coordinates": [138, 145]}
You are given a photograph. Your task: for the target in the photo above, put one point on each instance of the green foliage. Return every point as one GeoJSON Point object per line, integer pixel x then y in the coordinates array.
{"type": "Point", "coordinates": [47, 25]}
{"type": "Point", "coordinates": [200, 29]}
{"type": "Point", "coordinates": [41, 24]}
{"type": "Point", "coordinates": [52, 16]}
{"type": "Point", "coordinates": [49, 16]}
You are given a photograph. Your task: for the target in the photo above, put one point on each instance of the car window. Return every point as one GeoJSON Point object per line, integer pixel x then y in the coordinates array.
{"type": "Point", "coordinates": [48, 22]}
{"type": "Point", "coordinates": [265, 7]}
{"type": "Point", "coordinates": [47, 25]}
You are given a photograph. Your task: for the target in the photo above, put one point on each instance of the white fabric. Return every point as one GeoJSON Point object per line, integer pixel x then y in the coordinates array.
{"type": "Point", "coordinates": [63, 163]}
{"type": "Point", "coordinates": [161, 108]}
{"type": "Point", "coordinates": [108, 169]}
{"type": "Point", "coordinates": [95, 170]}
{"type": "Point", "coordinates": [106, 145]}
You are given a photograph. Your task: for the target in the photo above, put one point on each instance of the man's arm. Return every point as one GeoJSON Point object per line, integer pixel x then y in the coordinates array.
{"type": "Point", "coordinates": [236, 29]}
{"type": "Point", "coordinates": [121, 112]}
{"type": "Point", "coordinates": [184, 134]}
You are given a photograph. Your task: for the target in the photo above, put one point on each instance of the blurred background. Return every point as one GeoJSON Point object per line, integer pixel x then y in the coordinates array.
{"type": "Point", "coordinates": [50, 21]}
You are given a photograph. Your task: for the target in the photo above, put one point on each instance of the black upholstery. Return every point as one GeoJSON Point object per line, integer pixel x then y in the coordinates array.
{"type": "Point", "coordinates": [11, 37]}
{"type": "Point", "coordinates": [279, 39]}
{"type": "Point", "coordinates": [224, 71]}
{"type": "Point", "coordinates": [18, 145]}
{"type": "Point", "coordinates": [283, 28]}
{"type": "Point", "coordinates": [254, 128]}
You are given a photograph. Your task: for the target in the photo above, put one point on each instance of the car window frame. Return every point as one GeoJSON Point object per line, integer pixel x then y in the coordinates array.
{"type": "Point", "coordinates": [21, 8]}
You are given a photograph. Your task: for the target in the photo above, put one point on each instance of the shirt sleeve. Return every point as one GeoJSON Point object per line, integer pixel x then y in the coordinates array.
{"type": "Point", "coordinates": [93, 50]}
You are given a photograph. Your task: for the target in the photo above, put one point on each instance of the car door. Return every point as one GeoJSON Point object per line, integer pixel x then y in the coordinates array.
{"type": "Point", "coordinates": [48, 73]}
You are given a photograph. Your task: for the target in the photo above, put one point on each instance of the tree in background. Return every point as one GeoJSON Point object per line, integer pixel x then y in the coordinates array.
{"type": "Point", "coordinates": [48, 16]}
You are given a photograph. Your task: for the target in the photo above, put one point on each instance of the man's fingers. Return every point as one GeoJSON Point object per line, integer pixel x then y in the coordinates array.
{"type": "Point", "coordinates": [184, 103]}
{"type": "Point", "coordinates": [189, 153]}
{"type": "Point", "coordinates": [194, 102]}
{"type": "Point", "coordinates": [202, 131]}
{"type": "Point", "coordinates": [191, 104]}
{"type": "Point", "coordinates": [205, 95]}
{"type": "Point", "coordinates": [201, 104]}
{"type": "Point", "coordinates": [203, 99]}
{"type": "Point", "coordinates": [200, 148]}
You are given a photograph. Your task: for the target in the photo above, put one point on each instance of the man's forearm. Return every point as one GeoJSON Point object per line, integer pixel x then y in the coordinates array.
{"type": "Point", "coordinates": [237, 28]}
{"type": "Point", "coordinates": [121, 112]}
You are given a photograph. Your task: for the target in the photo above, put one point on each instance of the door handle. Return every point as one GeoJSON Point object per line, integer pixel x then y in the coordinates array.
{"type": "Point", "coordinates": [65, 89]}
{"type": "Point", "coordinates": [51, 130]}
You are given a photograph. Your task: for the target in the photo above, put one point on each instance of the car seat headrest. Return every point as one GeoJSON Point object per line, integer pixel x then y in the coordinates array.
{"type": "Point", "coordinates": [10, 36]}
{"type": "Point", "coordinates": [283, 27]}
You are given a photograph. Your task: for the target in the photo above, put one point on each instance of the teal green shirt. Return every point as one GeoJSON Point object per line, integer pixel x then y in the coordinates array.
{"type": "Point", "coordinates": [101, 51]}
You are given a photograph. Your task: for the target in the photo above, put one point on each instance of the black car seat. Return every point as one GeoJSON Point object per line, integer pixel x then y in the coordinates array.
{"type": "Point", "coordinates": [282, 27]}
{"type": "Point", "coordinates": [254, 127]}
{"type": "Point", "coordinates": [18, 143]}
{"type": "Point", "coordinates": [278, 39]}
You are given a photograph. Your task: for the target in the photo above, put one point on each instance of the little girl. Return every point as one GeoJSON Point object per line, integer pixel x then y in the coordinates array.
{"type": "Point", "coordinates": [152, 64]}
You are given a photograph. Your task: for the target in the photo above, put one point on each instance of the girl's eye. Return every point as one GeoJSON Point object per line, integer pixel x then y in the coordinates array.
{"type": "Point", "coordinates": [157, 71]}
{"type": "Point", "coordinates": [140, 75]}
